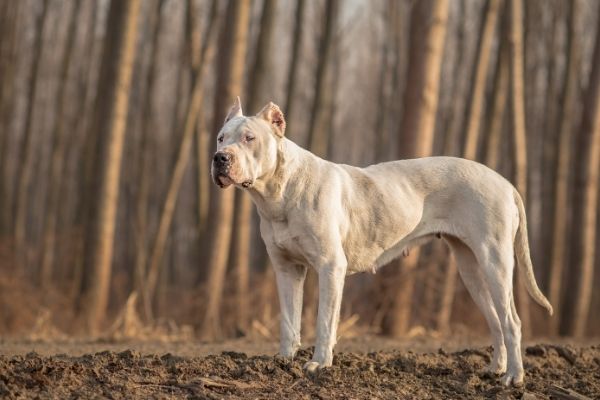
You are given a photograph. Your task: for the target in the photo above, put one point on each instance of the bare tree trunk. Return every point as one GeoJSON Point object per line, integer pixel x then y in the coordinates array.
{"type": "Point", "coordinates": [382, 138]}
{"type": "Point", "coordinates": [474, 117]}
{"type": "Point", "coordinates": [587, 214]}
{"type": "Point", "coordinates": [290, 104]}
{"type": "Point", "coordinates": [87, 93]}
{"type": "Point", "coordinates": [229, 84]}
{"type": "Point", "coordinates": [548, 139]}
{"type": "Point", "coordinates": [537, 55]}
{"type": "Point", "coordinates": [194, 107]}
{"type": "Point", "coordinates": [292, 77]}
{"type": "Point", "coordinates": [563, 167]}
{"type": "Point", "coordinates": [520, 138]}
{"type": "Point", "coordinates": [202, 137]}
{"type": "Point", "coordinates": [9, 18]}
{"type": "Point", "coordinates": [26, 151]}
{"type": "Point", "coordinates": [58, 154]}
{"type": "Point", "coordinates": [113, 96]}
{"type": "Point", "coordinates": [400, 45]}
{"type": "Point", "coordinates": [262, 61]}
{"type": "Point", "coordinates": [9, 12]}
{"type": "Point", "coordinates": [455, 118]}
{"type": "Point", "coordinates": [428, 30]}
{"type": "Point", "coordinates": [243, 214]}
{"type": "Point", "coordinates": [202, 154]}
{"type": "Point", "coordinates": [499, 99]}
{"type": "Point", "coordinates": [334, 85]}
{"type": "Point", "coordinates": [480, 74]}
{"type": "Point", "coordinates": [193, 35]}
{"type": "Point", "coordinates": [141, 211]}
{"type": "Point", "coordinates": [448, 293]}
{"type": "Point", "coordinates": [317, 135]}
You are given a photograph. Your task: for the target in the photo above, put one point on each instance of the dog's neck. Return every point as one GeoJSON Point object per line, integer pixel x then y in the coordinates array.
{"type": "Point", "coordinates": [269, 192]}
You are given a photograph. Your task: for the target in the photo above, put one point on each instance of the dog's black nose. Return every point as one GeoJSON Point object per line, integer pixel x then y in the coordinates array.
{"type": "Point", "coordinates": [222, 157]}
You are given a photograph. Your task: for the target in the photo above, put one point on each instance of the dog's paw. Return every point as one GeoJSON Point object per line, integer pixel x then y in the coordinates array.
{"type": "Point", "coordinates": [285, 360]}
{"type": "Point", "coordinates": [311, 367]}
{"type": "Point", "coordinates": [512, 379]}
{"type": "Point", "coordinates": [289, 349]}
{"type": "Point", "coordinates": [289, 355]}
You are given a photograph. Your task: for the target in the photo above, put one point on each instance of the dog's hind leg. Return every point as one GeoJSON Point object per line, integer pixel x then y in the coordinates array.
{"type": "Point", "coordinates": [475, 282]}
{"type": "Point", "coordinates": [498, 266]}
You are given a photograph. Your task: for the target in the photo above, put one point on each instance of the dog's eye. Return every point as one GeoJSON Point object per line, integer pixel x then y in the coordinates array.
{"type": "Point", "coordinates": [249, 138]}
{"type": "Point", "coordinates": [220, 139]}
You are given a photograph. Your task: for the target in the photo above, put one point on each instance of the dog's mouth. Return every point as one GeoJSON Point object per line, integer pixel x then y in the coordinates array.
{"type": "Point", "coordinates": [221, 176]}
{"type": "Point", "coordinates": [224, 181]}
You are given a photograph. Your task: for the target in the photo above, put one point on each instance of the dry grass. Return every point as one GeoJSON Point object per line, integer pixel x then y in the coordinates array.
{"type": "Point", "coordinates": [129, 326]}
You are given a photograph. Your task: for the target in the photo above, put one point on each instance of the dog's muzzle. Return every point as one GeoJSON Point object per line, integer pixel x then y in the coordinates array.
{"type": "Point", "coordinates": [221, 171]}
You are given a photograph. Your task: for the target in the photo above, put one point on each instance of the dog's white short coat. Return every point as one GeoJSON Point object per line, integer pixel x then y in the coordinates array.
{"type": "Point", "coordinates": [340, 219]}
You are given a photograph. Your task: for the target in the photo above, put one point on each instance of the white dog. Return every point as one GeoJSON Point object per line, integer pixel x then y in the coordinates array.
{"type": "Point", "coordinates": [340, 220]}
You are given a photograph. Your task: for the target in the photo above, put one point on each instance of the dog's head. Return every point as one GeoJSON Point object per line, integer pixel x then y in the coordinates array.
{"type": "Point", "coordinates": [247, 146]}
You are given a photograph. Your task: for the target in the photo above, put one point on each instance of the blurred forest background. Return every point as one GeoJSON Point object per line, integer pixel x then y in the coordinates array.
{"type": "Point", "coordinates": [109, 111]}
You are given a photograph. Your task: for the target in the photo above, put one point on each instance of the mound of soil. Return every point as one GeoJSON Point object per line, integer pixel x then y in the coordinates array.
{"type": "Point", "coordinates": [439, 375]}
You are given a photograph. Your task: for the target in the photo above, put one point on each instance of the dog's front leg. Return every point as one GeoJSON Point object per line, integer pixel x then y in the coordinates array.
{"type": "Point", "coordinates": [331, 286]}
{"type": "Point", "coordinates": [290, 282]}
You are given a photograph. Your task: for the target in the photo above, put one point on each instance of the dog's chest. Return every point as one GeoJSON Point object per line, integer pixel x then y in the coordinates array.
{"type": "Point", "coordinates": [287, 239]}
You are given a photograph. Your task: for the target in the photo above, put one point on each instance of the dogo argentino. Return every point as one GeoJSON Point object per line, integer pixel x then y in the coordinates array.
{"type": "Point", "coordinates": [340, 219]}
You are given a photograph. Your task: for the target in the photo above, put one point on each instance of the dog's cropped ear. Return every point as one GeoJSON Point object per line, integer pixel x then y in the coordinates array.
{"type": "Point", "coordinates": [236, 110]}
{"type": "Point", "coordinates": [274, 116]}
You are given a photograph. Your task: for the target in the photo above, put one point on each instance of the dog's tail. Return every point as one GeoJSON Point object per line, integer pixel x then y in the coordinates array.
{"type": "Point", "coordinates": [523, 258]}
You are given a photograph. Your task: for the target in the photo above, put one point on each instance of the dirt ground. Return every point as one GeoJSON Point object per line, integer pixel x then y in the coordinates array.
{"type": "Point", "coordinates": [364, 368]}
